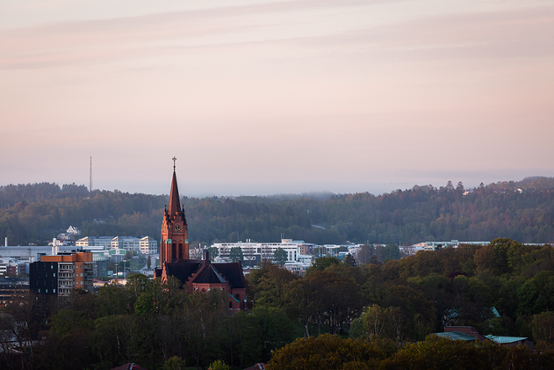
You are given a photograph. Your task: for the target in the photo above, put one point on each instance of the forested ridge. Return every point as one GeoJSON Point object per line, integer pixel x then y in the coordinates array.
{"type": "Point", "coordinates": [522, 210]}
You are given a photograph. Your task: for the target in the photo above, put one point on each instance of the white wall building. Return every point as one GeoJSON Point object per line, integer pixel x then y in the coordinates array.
{"type": "Point", "coordinates": [145, 245]}
{"type": "Point", "coordinates": [148, 245]}
{"type": "Point", "coordinates": [104, 242]}
{"type": "Point", "coordinates": [260, 251]}
{"type": "Point", "coordinates": [130, 243]}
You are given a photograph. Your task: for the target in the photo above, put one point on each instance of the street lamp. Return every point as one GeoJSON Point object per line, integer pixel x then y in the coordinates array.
{"type": "Point", "coordinates": [124, 267]}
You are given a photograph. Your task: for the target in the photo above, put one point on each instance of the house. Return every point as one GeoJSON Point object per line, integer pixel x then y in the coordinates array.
{"type": "Point", "coordinates": [466, 330]}
{"type": "Point", "coordinates": [510, 341]}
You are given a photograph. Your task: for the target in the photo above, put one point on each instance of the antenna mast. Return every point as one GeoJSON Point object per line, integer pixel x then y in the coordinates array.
{"type": "Point", "coordinates": [90, 178]}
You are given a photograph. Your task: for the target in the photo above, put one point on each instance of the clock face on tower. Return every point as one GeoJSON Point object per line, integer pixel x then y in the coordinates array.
{"type": "Point", "coordinates": [177, 227]}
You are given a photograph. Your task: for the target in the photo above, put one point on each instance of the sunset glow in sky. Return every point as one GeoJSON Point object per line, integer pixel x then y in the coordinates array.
{"type": "Point", "coordinates": [264, 97]}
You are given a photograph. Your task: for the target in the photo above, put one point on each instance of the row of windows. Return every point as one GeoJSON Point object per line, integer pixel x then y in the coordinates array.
{"type": "Point", "coordinates": [46, 290]}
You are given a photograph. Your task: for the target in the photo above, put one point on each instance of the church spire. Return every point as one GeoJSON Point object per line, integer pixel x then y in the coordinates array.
{"type": "Point", "coordinates": [174, 202]}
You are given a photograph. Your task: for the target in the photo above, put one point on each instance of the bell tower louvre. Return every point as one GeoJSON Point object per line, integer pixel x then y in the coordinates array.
{"type": "Point", "coordinates": [194, 275]}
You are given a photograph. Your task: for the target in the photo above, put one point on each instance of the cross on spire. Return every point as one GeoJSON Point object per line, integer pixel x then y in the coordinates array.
{"type": "Point", "coordinates": [174, 159]}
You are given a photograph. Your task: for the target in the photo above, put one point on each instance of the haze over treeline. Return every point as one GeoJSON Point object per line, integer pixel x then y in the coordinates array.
{"type": "Point", "coordinates": [520, 210]}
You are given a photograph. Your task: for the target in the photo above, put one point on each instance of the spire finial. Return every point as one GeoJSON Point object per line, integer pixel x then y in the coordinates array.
{"type": "Point", "coordinates": [174, 159]}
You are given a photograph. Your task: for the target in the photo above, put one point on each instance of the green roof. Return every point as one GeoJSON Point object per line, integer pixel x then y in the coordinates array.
{"type": "Point", "coordinates": [505, 340]}
{"type": "Point", "coordinates": [456, 335]}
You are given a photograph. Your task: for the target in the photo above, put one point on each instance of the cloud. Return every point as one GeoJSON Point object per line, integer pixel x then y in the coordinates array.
{"type": "Point", "coordinates": [512, 33]}
{"type": "Point", "coordinates": [66, 43]}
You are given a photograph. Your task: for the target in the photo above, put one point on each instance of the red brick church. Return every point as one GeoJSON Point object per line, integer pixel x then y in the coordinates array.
{"type": "Point", "coordinates": [195, 275]}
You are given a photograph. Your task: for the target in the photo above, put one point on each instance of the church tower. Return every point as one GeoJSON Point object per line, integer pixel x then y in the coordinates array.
{"type": "Point", "coordinates": [195, 275]}
{"type": "Point", "coordinates": [174, 243]}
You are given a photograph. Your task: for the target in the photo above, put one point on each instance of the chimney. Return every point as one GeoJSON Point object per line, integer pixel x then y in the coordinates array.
{"type": "Point", "coordinates": [6, 242]}
{"type": "Point", "coordinates": [206, 255]}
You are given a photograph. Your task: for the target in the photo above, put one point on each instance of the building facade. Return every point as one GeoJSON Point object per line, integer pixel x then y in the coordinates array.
{"type": "Point", "coordinates": [62, 273]}
{"type": "Point", "coordinates": [265, 251]}
{"type": "Point", "coordinates": [12, 289]}
{"type": "Point", "coordinates": [12, 267]}
{"type": "Point", "coordinates": [148, 245]}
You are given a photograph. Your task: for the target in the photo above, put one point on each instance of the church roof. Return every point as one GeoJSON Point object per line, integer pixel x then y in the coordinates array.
{"type": "Point", "coordinates": [215, 273]}
{"type": "Point", "coordinates": [232, 272]}
{"type": "Point", "coordinates": [183, 269]}
{"type": "Point", "coordinates": [209, 275]}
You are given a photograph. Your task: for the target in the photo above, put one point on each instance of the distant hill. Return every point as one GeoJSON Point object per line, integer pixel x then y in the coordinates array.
{"type": "Point", "coordinates": [520, 210]}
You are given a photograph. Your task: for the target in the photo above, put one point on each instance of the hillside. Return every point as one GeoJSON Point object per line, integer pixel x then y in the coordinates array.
{"type": "Point", "coordinates": [520, 210]}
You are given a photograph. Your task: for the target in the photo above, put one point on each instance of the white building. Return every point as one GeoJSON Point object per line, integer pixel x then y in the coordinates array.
{"type": "Point", "coordinates": [105, 242]}
{"type": "Point", "coordinates": [145, 245]}
{"type": "Point", "coordinates": [259, 251]}
{"type": "Point", "coordinates": [73, 231]}
{"type": "Point", "coordinates": [148, 245]}
{"type": "Point", "coordinates": [130, 243]}
{"type": "Point", "coordinates": [433, 246]}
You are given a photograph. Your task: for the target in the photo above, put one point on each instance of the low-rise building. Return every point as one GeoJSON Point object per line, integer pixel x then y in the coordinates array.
{"type": "Point", "coordinates": [11, 289]}
{"type": "Point", "coordinates": [129, 243]}
{"type": "Point", "coordinates": [144, 245]}
{"type": "Point", "coordinates": [12, 267]}
{"type": "Point", "coordinates": [260, 251]}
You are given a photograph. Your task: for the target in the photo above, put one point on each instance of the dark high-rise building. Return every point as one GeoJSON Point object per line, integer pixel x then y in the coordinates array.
{"type": "Point", "coordinates": [60, 274]}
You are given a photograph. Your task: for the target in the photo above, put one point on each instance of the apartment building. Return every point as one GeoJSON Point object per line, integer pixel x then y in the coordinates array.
{"type": "Point", "coordinates": [148, 245]}
{"type": "Point", "coordinates": [61, 274]}
{"type": "Point", "coordinates": [260, 251]}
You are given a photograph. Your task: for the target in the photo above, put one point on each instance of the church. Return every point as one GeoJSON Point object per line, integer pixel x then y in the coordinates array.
{"type": "Point", "coordinates": [194, 275]}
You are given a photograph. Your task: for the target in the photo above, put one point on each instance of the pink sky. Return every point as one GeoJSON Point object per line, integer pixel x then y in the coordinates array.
{"type": "Point", "coordinates": [263, 97]}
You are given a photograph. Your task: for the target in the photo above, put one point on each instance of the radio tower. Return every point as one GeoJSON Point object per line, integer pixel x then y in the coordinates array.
{"type": "Point", "coordinates": [90, 178]}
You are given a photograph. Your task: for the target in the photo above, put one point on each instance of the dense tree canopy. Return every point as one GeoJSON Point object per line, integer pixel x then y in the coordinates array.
{"type": "Point", "coordinates": [381, 307]}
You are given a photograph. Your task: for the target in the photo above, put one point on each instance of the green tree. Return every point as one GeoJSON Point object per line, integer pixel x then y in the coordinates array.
{"type": "Point", "coordinates": [436, 353]}
{"type": "Point", "coordinates": [326, 352]}
{"type": "Point", "coordinates": [276, 329]}
{"type": "Point", "coordinates": [235, 254]}
{"type": "Point", "coordinates": [350, 261]}
{"type": "Point", "coordinates": [322, 263]}
{"type": "Point", "coordinates": [214, 252]}
{"type": "Point", "coordinates": [270, 285]}
{"type": "Point", "coordinates": [543, 327]}
{"type": "Point", "coordinates": [241, 339]}
{"type": "Point", "coordinates": [391, 251]}
{"type": "Point", "coordinates": [218, 365]}
{"type": "Point", "coordinates": [365, 254]}
{"type": "Point", "coordinates": [174, 363]}
{"type": "Point", "coordinates": [280, 256]}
